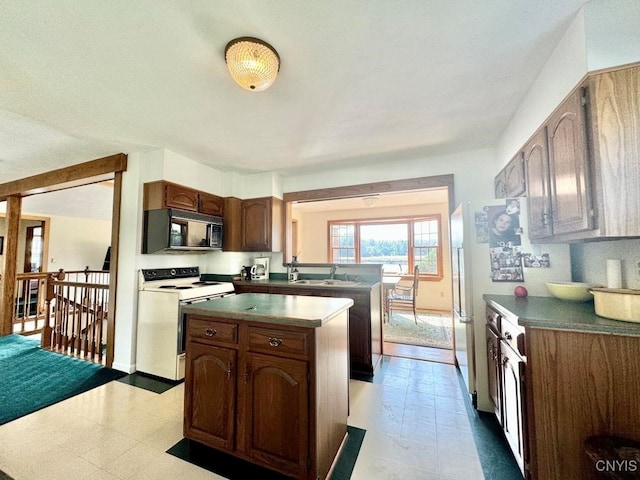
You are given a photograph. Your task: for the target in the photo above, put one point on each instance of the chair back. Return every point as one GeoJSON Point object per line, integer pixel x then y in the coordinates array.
{"type": "Point", "coordinates": [416, 280]}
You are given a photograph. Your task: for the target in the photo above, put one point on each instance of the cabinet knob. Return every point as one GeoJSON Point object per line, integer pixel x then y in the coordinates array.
{"type": "Point", "coordinates": [275, 342]}
{"type": "Point", "coordinates": [507, 335]}
{"type": "Point", "coordinates": [210, 332]}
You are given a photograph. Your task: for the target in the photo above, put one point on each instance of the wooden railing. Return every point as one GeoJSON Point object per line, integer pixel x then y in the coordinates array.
{"type": "Point", "coordinates": [69, 309]}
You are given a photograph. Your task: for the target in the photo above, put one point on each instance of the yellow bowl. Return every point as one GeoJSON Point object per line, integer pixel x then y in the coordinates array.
{"type": "Point", "coordinates": [571, 291]}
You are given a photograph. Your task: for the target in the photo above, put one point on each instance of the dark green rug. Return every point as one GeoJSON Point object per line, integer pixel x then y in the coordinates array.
{"type": "Point", "coordinates": [33, 378]}
{"type": "Point", "coordinates": [233, 468]}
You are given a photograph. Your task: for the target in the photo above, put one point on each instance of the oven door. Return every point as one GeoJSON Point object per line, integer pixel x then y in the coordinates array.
{"type": "Point", "coordinates": [182, 324]}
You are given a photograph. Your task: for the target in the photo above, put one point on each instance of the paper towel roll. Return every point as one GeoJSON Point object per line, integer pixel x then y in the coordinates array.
{"type": "Point", "coordinates": [614, 274]}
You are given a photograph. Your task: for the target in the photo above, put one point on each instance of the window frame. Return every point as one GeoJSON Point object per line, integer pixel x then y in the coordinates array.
{"type": "Point", "coordinates": [409, 220]}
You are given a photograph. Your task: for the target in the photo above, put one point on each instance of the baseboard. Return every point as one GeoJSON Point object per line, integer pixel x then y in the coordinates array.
{"type": "Point", "coordinates": [124, 367]}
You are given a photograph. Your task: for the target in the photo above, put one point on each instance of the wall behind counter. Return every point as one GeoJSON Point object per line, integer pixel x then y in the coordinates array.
{"type": "Point", "coordinates": [589, 261]}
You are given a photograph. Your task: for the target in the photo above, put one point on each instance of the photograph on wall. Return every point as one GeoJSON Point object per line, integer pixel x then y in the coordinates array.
{"type": "Point", "coordinates": [482, 227]}
{"type": "Point", "coordinates": [530, 260]}
{"type": "Point", "coordinates": [504, 227]}
{"type": "Point", "coordinates": [506, 264]}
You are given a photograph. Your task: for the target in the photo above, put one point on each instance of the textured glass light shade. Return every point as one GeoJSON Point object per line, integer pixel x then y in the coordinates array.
{"type": "Point", "coordinates": [252, 63]}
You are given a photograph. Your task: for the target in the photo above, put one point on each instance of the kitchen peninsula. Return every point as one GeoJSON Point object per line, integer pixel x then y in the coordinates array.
{"type": "Point", "coordinates": [573, 377]}
{"type": "Point", "coordinates": [267, 379]}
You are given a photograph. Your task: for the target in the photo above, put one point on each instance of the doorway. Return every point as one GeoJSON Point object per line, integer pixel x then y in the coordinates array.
{"type": "Point", "coordinates": [346, 207]}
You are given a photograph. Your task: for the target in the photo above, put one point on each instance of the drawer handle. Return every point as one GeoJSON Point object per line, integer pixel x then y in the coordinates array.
{"type": "Point", "coordinates": [210, 332]}
{"type": "Point", "coordinates": [275, 342]}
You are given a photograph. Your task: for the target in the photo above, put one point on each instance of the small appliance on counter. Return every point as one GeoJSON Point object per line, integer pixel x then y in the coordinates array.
{"type": "Point", "coordinates": [260, 268]}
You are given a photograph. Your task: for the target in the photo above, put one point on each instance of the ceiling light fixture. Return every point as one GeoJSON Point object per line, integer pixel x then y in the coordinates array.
{"type": "Point", "coordinates": [252, 63]}
{"type": "Point", "coordinates": [369, 201]}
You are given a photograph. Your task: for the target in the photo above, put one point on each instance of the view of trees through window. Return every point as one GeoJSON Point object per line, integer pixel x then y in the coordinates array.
{"type": "Point", "coordinates": [397, 244]}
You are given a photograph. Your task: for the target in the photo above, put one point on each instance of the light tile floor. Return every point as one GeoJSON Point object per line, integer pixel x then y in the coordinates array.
{"type": "Point", "coordinates": [414, 414]}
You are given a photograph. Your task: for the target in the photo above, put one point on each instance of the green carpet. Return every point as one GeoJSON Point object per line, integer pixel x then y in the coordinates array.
{"type": "Point", "coordinates": [432, 330]}
{"type": "Point", "coordinates": [33, 378]}
{"type": "Point", "coordinates": [234, 468]}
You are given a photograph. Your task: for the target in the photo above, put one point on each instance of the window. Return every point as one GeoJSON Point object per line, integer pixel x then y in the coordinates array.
{"type": "Point", "coordinates": [398, 244]}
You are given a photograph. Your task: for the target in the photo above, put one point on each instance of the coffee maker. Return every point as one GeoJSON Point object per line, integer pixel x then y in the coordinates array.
{"type": "Point", "coordinates": [260, 268]}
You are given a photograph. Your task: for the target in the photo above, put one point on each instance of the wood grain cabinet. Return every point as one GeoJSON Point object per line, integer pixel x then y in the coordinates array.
{"type": "Point", "coordinates": [614, 107]}
{"type": "Point", "coordinates": [558, 173]}
{"type": "Point", "coordinates": [255, 390]}
{"type": "Point", "coordinates": [582, 167]}
{"type": "Point", "coordinates": [163, 194]}
{"type": "Point", "coordinates": [365, 328]}
{"type": "Point", "coordinates": [253, 225]}
{"type": "Point", "coordinates": [510, 182]}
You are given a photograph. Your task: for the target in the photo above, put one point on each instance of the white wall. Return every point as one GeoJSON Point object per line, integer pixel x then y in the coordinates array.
{"type": "Point", "coordinates": [473, 173]}
{"type": "Point", "coordinates": [75, 243]}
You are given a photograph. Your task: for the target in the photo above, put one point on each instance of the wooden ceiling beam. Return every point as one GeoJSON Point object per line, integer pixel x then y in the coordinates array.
{"type": "Point", "coordinates": [75, 175]}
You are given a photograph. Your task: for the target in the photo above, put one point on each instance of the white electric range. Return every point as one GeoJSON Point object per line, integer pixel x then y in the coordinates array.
{"type": "Point", "coordinates": [162, 292]}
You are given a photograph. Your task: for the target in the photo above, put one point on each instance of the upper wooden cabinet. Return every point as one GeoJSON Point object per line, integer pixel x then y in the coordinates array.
{"type": "Point", "coordinates": [536, 160]}
{"type": "Point", "coordinates": [583, 166]}
{"type": "Point", "coordinates": [210, 204]}
{"type": "Point", "coordinates": [253, 225]}
{"type": "Point", "coordinates": [570, 189]}
{"type": "Point", "coordinates": [163, 194]}
{"type": "Point", "coordinates": [614, 107]}
{"type": "Point", "coordinates": [510, 182]}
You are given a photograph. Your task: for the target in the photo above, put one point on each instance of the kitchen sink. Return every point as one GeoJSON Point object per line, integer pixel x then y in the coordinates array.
{"type": "Point", "coordinates": [327, 282]}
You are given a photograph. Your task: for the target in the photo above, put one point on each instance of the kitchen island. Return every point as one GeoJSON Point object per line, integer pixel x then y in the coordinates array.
{"type": "Point", "coordinates": [575, 376]}
{"type": "Point", "coordinates": [267, 379]}
{"type": "Point", "coordinates": [365, 317]}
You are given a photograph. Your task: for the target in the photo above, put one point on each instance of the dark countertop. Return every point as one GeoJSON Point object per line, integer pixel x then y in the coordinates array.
{"type": "Point", "coordinates": [364, 285]}
{"type": "Point", "coordinates": [555, 314]}
{"type": "Point", "coordinates": [274, 309]}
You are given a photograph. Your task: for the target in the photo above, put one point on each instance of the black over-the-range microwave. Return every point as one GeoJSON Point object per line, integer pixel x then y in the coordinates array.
{"type": "Point", "coordinates": [168, 230]}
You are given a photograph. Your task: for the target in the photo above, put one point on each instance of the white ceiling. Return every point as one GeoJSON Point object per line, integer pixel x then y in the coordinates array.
{"type": "Point", "coordinates": [359, 81]}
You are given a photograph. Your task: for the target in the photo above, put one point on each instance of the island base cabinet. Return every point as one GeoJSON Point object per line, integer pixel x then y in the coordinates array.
{"type": "Point", "coordinates": [210, 395]}
{"type": "Point", "coordinates": [274, 389]}
{"type": "Point", "coordinates": [273, 395]}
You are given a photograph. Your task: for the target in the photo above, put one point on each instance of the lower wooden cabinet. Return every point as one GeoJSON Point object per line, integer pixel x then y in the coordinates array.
{"type": "Point", "coordinates": [255, 390]}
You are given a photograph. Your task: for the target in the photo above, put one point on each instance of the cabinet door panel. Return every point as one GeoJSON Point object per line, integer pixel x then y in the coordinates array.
{"type": "Point", "coordinates": [276, 388]}
{"type": "Point", "coordinates": [181, 197]}
{"type": "Point", "coordinates": [569, 168]}
{"type": "Point", "coordinates": [536, 160]}
{"type": "Point", "coordinates": [514, 177]}
{"type": "Point", "coordinates": [210, 408]}
{"type": "Point", "coordinates": [512, 401]}
{"type": "Point", "coordinates": [210, 204]}
{"type": "Point", "coordinates": [493, 366]}
{"type": "Point", "coordinates": [256, 225]}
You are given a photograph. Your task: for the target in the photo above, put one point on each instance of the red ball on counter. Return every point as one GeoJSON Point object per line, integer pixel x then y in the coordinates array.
{"type": "Point", "coordinates": [520, 292]}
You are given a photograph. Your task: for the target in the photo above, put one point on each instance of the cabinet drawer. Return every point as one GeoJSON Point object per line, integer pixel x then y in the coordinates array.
{"type": "Point", "coordinates": [212, 331]}
{"type": "Point", "coordinates": [513, 335]}
{"type": "Point", "coordinates": [494, 320]}
{"type": "Point", "coordinates": [278, 341]}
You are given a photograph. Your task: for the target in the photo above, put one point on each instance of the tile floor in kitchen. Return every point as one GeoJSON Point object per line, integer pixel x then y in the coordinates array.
{"type": "Point", "coordinates": [414, 413]}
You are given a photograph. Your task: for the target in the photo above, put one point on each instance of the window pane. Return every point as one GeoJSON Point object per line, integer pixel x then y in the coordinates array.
{"type": "Point", "coordinates": [343, 243]}
{"type": "Point", "coordinates": [386, 244]}
{"type": "Point", "coordinates": [427, 259]}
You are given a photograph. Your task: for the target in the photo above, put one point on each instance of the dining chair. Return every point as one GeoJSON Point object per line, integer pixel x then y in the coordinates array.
{"type": "Point", "coordinates": [403, 296]}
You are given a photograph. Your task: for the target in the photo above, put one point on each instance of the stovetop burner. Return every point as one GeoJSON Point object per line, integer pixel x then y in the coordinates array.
{"type": "Point", "coordinates": [205, 282]}
{"type": "Point", "coordinates": [167, 286]}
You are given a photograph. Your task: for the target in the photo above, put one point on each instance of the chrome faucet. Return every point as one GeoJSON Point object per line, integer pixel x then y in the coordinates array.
{"type": "Point", "coordinates": [332, 272]}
